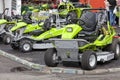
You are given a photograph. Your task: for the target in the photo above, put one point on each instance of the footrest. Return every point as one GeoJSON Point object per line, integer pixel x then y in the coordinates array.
{"type": "Point", "coordinates": [104, 56]}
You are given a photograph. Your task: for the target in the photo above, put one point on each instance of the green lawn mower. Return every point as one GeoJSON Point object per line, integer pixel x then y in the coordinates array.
{"type": "Point", "coordinates": [89, 41]}
{"type": "Point", "coordinates": [26, 26]}
{"type": "Point", "coordinates": [36, 40]}
{"type": "Point", "coordinates": [5, 25]}
{"type": "Point", "coordinates": [70, 10]}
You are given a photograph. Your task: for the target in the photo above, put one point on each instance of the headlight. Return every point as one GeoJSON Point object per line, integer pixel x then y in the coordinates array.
{"type": "Point", "coordinates": [69, 29]}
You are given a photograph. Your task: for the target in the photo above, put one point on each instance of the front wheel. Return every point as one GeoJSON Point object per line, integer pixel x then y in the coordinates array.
{"type": "Point", "coordinates": [50, 58]}
{"type": "Point", "coordinates": [89, 60]}
{"type": "Point", "coordinates": [25, 45]}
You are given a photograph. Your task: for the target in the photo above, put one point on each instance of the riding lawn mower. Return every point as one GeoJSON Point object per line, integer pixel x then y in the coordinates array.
{"type": "Point", "coordinates": [34, 40]}
{"type": "Point", "coordinates": [6, 23]}
{"type": "Point", "coordinates": [90, 41]}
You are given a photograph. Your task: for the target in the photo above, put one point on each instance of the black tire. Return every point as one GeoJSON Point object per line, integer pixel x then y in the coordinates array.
{"type": "Point", "coordinates": [71, 18]}
{"type": "Point", "coordinates": [48, 58]}
{"type": "Point", "coordinates": [114, 48]}
{"type": "Point", "coordinates": [14, 46]}
{"type": "Point", "coordinates": [7, 39]}
{"type": "Point", "coordinates": [25, 45]}
{"type": "Point", "coordinates": [85, 63]}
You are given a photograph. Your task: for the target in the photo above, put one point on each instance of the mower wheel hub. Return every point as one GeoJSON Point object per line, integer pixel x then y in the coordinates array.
{"type": "Point", "coordinates": [117, 49]}
{"type": "Point", "coordinates": [92, 60]}
{"type": "Point", "coordinates": [26, 46]}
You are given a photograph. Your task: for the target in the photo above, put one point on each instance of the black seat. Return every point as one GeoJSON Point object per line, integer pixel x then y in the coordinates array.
{"type": "Point", "coordinates": [88, 22]}
{"type": "Point", "coordinates": [36, 32]}
{"type": "Point", "coordinates": [47, 24]}
{"type": "Point", "coordinates": [8, 18]}
{"type": "Point", "coordinates": [27, 18]}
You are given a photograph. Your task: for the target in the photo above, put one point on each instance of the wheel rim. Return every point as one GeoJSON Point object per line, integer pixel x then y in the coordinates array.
{"type": "Point", "coordinates": [54, 56]}
{"type": "Point", "coordinates": [117, 49]}
{"type": "Point", "coordinates": [92, 60]}
{"type": "Point", "coordinates": [8, 39]}
{"type": "Point", "coordinates": [26, 47]}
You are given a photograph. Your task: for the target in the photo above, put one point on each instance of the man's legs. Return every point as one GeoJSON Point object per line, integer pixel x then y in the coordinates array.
{"type": "Point", "coordinates": [112, 18]}
{"type": "Point", "coordinates": [119, 16]}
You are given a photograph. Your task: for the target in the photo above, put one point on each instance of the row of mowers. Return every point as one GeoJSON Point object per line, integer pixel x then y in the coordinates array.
{"type": "Point", "coordinates": [28, 33]}
{"type": "Point", "coordinates": [84, 36]}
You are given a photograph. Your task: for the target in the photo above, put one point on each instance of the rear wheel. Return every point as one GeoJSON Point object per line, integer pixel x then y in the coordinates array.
{"type": "Point", "coordinates": [51, 57]}
{"type": "Point", "coordinates": [114, 47]}
{"type": "Point", "coordinates": [89, 60]}
{"type": "Point", "coordinates": [25, 45]}
{"type": "Point", "coordinates": [7, 39]}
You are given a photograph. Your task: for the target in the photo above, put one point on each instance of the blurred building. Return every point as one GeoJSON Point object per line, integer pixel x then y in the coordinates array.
{"type": "Point", "coordinates": [13, 5]}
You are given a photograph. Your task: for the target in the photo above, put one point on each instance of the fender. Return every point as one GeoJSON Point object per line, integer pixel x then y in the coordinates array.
{"type": "Point", "coordinates": [3, 21]}
{"type": "Point", "coordinates": [53, 32]}
{"type": "Point", "coordinates": [18, 25]}
{"type": "Point", "coordinates": [70, 34]}
{"type": "Point", "coordinates": [32, 27]}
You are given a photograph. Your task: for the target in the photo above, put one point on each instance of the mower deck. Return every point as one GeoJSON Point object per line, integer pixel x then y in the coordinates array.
{"type": "Point", "coordinates": [42, 45]}
{"type": "Point", "coordinates": [70, 47]}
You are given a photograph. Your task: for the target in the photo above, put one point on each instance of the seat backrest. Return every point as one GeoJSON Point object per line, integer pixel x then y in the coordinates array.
{"type": "Point", "coordinates": [8, 18]}
{"type": "Point", "coordinates": [90, 21]}
{"type": "Point", "coordinates": [27, 18]}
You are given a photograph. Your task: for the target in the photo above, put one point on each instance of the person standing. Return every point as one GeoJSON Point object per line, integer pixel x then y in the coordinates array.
{"type": "Point", "coordinates": [112, 5]}
{"type": "Point", "coordinates": [118, 5]}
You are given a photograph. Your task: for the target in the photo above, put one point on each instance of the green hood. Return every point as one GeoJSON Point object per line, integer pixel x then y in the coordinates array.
{"type": "Point", "coordinates": [18, 25]}
{"type": "Point", "coordinates": [2, 21]}
{"type": "Point", "coordinates": [53, 32]}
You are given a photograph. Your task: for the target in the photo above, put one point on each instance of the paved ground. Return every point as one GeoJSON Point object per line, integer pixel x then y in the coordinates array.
{"type": "Point", "coordinates": [7, 68]}
{"type": "Point", "coordinates": [10, 70]}
{"type": "Point", "coordinates": [37, 56]}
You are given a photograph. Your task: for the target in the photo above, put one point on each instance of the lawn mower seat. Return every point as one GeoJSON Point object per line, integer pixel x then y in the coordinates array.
{"type": "Point", "coordinates": [88, 22]}
{"type": "Point", "coordinates": [36, 32]}
{"type": "Point", "coordinates": [47, 24]}
{"type": "Point", "coordinates": [16, 17]}
{"type": "Point", "coordinates": [8, 18]}
{"type": "Point", "coordinates": [27, 18]}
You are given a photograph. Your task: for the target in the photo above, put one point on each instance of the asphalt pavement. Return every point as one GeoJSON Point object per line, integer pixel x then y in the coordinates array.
{"type": "Point", "coordinates": [37, 56]}
{"type": "Point", "coordinates": [8, 72]}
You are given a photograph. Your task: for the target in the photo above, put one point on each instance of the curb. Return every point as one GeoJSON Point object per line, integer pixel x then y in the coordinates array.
{"type": "Point", "coordinates": [45, 69]}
